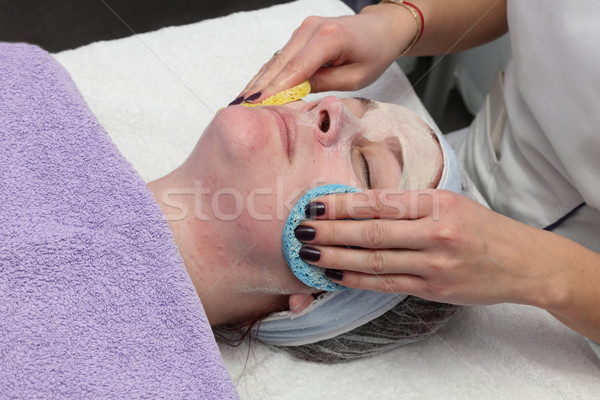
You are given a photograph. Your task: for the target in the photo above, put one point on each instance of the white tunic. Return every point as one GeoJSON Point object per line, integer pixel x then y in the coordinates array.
{"type": "Point", "coordinates": [546, 163]}
{"type": "Point", "coordinates": [534, 148]}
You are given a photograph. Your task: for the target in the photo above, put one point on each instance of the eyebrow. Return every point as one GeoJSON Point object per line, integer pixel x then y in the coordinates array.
{"type": "Point", "coordinates": [367, 104]}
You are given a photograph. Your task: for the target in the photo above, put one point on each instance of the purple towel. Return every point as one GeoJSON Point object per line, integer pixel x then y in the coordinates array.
{"type": "Point", "coordinates": [95, 301]}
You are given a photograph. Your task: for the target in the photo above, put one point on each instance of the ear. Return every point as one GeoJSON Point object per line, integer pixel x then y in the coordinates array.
{"type": "Point", "coordinates": [299, 302]}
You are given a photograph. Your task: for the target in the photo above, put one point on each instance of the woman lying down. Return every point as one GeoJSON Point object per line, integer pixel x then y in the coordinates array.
{"type": "Point", "coordinates": [99, 295]}
{"type": "Point", "coordinates": [248, 170]}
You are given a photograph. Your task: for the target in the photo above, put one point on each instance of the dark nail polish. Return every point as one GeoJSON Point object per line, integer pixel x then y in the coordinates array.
{"type": "Point", "coordinates": [253, 97]}
{"type": "Point", "coordinates": [334, 274]}
{"type": "Point", "coordinates": [314, 209]}
{"type": "Point", "coordinates": [304, 232]}
{"type": "Point", "coordinates": [237, 101]}
{"type": "Point", "coordinates": [309, 254]}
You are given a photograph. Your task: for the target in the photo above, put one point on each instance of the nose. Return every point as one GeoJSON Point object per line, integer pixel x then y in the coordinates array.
{"type": "Point", "coordinates": [328, 116]}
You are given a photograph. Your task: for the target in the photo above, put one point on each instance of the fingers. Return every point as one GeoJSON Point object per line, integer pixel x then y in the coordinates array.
{"type": "Point", "coordinates": [285, 71]}
{"type": "Point", "coordinates": [268, 71]}
{"type": "Point", "coordinates": [369, 234]}
{"type": "Point", "coordinates": [316, 43]}
{"type": "Point", "coordinates": [345, 77]}
{"type": "Point", "coordinates": [382, 204]}
{"type": "Point", "coordinates": [372, 262]}
{"type": "Point", "coordinates": [390, 271]}
{"type": "Point", "coordinates": [405, 284]}
{"type": "Point", "coordinates": [305, 62]}
{"type": "Point", "coordinates": [280, 59]}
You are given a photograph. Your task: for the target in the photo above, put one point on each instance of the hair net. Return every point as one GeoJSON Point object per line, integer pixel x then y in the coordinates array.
{"type": "Point", "coordinates": [413, 320]}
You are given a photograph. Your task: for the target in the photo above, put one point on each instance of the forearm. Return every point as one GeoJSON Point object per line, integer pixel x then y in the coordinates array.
{"type": "Point", "coordinates": [568, 285]}
{"type": "Point", "coordinates": [450, 26]}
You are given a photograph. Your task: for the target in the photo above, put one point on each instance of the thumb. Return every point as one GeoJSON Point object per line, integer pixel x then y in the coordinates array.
{"type": "Point", "coordinates": [344, 77]}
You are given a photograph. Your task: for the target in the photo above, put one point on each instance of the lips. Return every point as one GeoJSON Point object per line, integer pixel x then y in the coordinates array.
{"type": "Point", "coordinates": [285, 123]}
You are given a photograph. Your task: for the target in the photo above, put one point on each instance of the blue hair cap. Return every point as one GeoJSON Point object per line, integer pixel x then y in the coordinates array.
{"type": "Point", "coordinates": [309, 274]}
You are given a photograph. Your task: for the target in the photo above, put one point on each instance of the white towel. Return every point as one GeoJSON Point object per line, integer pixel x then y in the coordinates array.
{"type": "Point", "coordinates": [155, 93]}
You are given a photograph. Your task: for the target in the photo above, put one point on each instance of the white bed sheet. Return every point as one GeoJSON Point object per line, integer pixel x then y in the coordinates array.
{"type": "Point", "coordinates": [154, 93]}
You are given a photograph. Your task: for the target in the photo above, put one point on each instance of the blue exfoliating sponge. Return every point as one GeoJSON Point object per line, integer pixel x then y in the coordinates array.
{"type": "Point", "coordinates": [309, 274]}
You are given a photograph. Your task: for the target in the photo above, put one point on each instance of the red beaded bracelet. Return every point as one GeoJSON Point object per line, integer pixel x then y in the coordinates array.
{"type": "Point", "coordinates": [418, 18]}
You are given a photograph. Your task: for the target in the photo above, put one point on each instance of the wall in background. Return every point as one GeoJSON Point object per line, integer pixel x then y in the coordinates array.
{"type": "Point", "coordinates": [57, 25]}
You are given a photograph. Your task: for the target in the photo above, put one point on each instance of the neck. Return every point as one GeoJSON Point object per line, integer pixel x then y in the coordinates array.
{"type": "Point", "coordinates": [194, 240]}
{"type": "Point", "coordinates": [213, 259]}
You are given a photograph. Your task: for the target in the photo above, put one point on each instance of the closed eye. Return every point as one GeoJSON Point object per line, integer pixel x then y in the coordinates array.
{"type": "Point", "coordinates": [366, 170]}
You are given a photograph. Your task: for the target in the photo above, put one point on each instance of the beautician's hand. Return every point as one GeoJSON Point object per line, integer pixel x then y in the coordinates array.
{"type": "Point", "coordinates": [343, 53]}
{"type": "Point", "coordinates": [437, 245]}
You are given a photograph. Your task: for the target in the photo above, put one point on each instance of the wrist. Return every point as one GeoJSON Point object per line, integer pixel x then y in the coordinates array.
{"type": "Point", "coordinates": [397, 23]}
{"type": "Point", "coordinates": [530, 269]}
{"type": "Point", "coordinates": [551, 283]}
{"type": "Point", "coordinates": [571, 294]}
{"type": "Point", "coordinates": [418, 19]}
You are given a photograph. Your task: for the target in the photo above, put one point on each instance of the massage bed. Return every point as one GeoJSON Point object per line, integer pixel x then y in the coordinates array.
{"type": "Point", "coordinates": [154, 93]}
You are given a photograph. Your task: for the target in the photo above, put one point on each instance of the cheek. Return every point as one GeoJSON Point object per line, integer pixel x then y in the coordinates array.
{"type": "Point", "coordinates": [327, 166]}
{"type": "Point", "coordinates": [270, 200]}
{"type": "Point", "coordinates": [240, 135]}
{"type": "Point", "coordinates": [336, 168]}
{"type": "Point", "coordinates": [266, 208]}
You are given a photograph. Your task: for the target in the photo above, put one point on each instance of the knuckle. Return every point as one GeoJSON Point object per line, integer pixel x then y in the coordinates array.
{"type": "Point", "coordinates": [329, 28]}
{"type": "Point", "coordinates": [338, 206]}
{"type": "Point", "coordinates": [332, 259]}
{"type": "Point", "coordinates": [438, 264]}
{"type": "Point", "coordinates": [332, 234]}
{"type": "Point", "coordinates": [277, 61]}
{"type": "Point", "coordinates": [310, 21]}
{"type": "Point", "coordinates": [445, 233]}
{"type": "Point", "coordinates": [296, 64]}
{"type": "Point", "coordinates": [356, 280]}
{"type": "Point", "coordinates": [262, 70]}
{"type": "Point", "coordinates": [439, 291]}
{"type": "Point", "coordinates": [388, 284]}
{"type": "Point", "coordinates": [375, 262]}
{"type": "Point", "coordinates": [374, 233]}
{"type": "Point", "coordinates": [448, 200]}
{"type": "Point", "coordinates": [380, 204]}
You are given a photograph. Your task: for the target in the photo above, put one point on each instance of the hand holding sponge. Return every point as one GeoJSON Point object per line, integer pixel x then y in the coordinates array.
{"type": "Point", "coordinates": [287, 96]}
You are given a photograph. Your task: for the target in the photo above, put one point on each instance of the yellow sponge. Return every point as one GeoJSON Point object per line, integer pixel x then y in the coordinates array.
{"type": "Point", "coordinates": [287, 96]}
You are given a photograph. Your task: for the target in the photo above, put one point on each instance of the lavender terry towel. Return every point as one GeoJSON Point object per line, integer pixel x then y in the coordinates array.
{"type": "Point", "coordinates": [95, 301]}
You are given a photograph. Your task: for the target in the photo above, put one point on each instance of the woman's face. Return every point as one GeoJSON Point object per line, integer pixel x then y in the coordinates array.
{"type": "Point", "coordinates": [253, 164]}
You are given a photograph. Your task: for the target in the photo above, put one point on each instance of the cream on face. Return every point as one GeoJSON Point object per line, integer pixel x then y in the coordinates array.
{"type": "Point", "coordinates": [273, 155]}
{"type": "Point", "coordinates": [411, 141]}
{"type": "Point", "coordinates": [396, 146]}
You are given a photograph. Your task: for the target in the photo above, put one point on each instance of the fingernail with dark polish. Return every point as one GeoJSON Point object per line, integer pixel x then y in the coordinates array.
{"type": "Point", "coordinates": [309, 254]}
{"type": "Point", "coordinates": [237, 101]}
{"type": "Point", "coordinates": [314, 209]}
{"type": "Point", "coordinates": [334, 274]}
{"type": "Point", "coordinates": [253, 97]}
{"type": "Point", "coordinates": [304, 232]}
